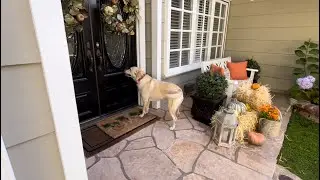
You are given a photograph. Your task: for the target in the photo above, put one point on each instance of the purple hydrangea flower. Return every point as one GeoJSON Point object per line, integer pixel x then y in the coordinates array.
{"type": "Point", "coordinates": [311, 78]}
{"type": "Point", "coordinates": [306, 82]}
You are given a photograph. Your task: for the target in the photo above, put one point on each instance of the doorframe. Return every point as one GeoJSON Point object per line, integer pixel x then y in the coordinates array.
{"type": "Point", "coordinates": [51, 38]}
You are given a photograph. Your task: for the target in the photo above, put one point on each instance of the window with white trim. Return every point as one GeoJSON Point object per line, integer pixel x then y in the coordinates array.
{"type": "Point", "coordinates": [196, 32]}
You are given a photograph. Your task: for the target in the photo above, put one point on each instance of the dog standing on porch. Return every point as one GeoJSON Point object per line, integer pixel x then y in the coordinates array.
{"type": "Point", "coordinates": [153, 90]}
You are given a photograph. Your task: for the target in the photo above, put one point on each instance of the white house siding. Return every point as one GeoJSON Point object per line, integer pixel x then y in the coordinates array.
{"type": "Point", "coordinates": [26, 119]}
{"type": "Point", "coordinates": [270, 31]}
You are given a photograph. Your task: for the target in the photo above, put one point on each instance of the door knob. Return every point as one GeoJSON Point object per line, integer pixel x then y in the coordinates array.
{"type": "Point", "coordinates": [99, 55]}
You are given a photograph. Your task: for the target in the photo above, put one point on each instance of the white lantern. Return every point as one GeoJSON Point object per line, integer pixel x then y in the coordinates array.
{"type": "Point", "coordinates": [225, 127]}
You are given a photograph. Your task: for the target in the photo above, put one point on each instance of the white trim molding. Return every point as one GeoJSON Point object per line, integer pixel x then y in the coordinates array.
{"type": "Point", "coordinates": [6, 168]}
{"type": "Point", "coordinates": [156, 9]}
{"type": "Point", "coordinates": [141, 41]}
{"type": "Point", "coordinates": [51, 39]}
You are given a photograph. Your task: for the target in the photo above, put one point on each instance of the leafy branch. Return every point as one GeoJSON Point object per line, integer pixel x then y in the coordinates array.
{"type": "Point", "coordinates": [308, 55]}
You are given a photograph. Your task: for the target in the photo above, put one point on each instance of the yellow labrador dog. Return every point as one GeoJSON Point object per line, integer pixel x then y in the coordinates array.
{"type": "Point", "coordinates": [154, 90]}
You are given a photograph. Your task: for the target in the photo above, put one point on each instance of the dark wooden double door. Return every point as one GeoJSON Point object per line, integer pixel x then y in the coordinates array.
{"type": "Point", "coordinates": [98, 60]}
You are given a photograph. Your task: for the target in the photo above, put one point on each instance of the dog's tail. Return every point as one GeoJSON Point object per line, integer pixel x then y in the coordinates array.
{"type": "Point", "coordinates": [174, 94]}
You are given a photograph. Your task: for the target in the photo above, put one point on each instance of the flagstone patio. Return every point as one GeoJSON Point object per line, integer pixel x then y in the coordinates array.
{"type": "Point", "coordinates": [187, 153]}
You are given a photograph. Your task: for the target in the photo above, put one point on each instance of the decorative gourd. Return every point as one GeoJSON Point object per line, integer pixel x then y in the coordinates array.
{"type": "Point", "coordinates": [238, 106]}
{"type": "Point", "coordinates": [256, 138]}
{"type": "Point", "coordinates": [255, 86]}
{"type": "Point", "coordinates": [248, 107]}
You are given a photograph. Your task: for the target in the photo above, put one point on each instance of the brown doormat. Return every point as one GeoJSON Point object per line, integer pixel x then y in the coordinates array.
{"type": "Point", "coordinates": [111, 130]}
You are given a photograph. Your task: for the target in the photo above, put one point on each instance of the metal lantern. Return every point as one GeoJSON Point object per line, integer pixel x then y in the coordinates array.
{"type": "Point", "coordinates": [225, 127]}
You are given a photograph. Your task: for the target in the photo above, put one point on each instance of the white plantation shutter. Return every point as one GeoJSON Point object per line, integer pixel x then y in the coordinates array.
{"type": "Point", "coordinates": [218, 29]}
{"type": "Point", "coordinates": [196, 33]}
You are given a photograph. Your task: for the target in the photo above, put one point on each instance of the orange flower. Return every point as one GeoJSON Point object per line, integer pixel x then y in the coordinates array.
{"type": "Point", "coordinates": [270, 112]}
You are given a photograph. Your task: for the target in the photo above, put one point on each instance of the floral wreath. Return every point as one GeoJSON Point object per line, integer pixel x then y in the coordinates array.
{"type": "Point", "coordinates": [120, 20]}
{"type": "Point", "coordinates": [74, 14]}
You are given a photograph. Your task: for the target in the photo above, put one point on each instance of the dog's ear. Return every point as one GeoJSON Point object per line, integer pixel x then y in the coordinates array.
{"type": "Point", "coordinates": [139, 74]}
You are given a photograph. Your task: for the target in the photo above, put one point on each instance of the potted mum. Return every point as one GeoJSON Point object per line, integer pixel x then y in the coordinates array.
{"type": "Point", "coordinates": [210, 95]}
{"type": "Point", "coordinates": [269, 120]}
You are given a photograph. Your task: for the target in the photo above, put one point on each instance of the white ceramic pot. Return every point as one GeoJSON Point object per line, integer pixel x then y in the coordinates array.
{"type": "Point", "coordinates": [269, 128]}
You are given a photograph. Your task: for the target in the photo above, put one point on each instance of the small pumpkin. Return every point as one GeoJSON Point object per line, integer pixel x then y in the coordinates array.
{"type": "Point", "coordinates": [255, 86]}
{"type": "Point", "coordinates": [238, 106]}
{"type": "Point", "coordinates": [256, 138]}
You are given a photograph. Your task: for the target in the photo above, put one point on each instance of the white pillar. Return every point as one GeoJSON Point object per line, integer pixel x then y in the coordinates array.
{"type": "Point", "coordinates": [51, 37]}
{"type": "Point", "coordinates": [156, 9]}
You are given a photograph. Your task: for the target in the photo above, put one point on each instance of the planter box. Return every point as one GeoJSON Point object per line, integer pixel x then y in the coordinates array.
{"type": "Point", "coordinates": [203, 109]}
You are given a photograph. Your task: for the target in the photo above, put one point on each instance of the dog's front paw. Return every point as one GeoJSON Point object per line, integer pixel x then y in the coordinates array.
{"type": "Point", "coordinates": [172, 127]}
{"type": "Point", "coordinates": [141, 115]}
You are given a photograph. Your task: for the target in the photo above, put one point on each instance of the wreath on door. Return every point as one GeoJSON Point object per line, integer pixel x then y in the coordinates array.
{"type": "Point", "coordinates": [120, 20]}
{"type": "Point", "coordinates": [74, 14]}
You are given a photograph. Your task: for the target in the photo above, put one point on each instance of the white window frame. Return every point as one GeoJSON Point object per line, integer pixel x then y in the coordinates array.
{"type": "Point", "coordinates": [167, 71]}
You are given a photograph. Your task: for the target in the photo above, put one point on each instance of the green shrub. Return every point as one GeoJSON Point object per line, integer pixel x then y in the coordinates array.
{"type": "Point", "coordinates": [253, 64]}
{"type": "Point", "coordinates": [211, 85]}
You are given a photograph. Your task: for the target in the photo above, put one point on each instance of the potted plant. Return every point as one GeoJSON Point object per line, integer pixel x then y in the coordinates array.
{"type": "Point", "coordinates": [210, 95]}
{"type": "Point", "coordinates": [254, 65]}
{"type": "Point", "coordinates": [306, 86]}
{"type": "Point", "coordinates": [304, 89]}
{"type": "Point", "coordinates": [269, 120]}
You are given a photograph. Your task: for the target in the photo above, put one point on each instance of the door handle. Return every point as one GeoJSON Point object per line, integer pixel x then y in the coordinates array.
{"type": "Point", "coordinates": [99, 55]}
{"type": "Point", "coordinates": [90, 57]}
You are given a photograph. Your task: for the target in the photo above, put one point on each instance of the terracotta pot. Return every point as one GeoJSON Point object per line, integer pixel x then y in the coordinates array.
{"type": "Point", "coordinates": [256, 138]}
{"type": "Point", "coordinates": [269, 128]}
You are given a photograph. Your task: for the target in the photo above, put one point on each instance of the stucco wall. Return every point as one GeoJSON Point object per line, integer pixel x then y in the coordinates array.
{"type": "Point", "coordinates": [270, 30]}
{"type": "Point", "coordinates": [26, 119]}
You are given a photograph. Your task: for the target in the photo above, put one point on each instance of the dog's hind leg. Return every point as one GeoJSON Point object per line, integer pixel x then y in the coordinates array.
{"type": "Point", "coordinates": [174, 111]}
{"type": "Point", "coordinates": [174, 118]}
{"type": "Point", "coordinates": [169, 104]}
{"type": "Point", "coordinates": [178, 112]}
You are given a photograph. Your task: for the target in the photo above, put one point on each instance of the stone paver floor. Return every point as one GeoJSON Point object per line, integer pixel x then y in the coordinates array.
{"type": "Point", "coordinates": [187, 153]}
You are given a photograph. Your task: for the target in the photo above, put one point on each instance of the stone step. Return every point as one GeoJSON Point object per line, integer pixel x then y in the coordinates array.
{"type": "Point", "coordinates": [263, 158]}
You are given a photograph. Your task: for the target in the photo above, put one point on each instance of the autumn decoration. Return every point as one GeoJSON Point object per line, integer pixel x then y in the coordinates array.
{"type": "Point", "coordinates": [269, 112]}
{"type": "Point", "coordinates": [255, 86]}
{"type": "Point", "coordinates": [247, 122]}
{"type": "Point", "coordinates": [120, 17]}
{"type": "Point", "coordinates": [74, 14]}
{"type": "Point", "coordinates": [256, 138]}
{"type": "Point", "coordinates": [270, 120]}
{"type": "Point", "coordinates": [255, 98]}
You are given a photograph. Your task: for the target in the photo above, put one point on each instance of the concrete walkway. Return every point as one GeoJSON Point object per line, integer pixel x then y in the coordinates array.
{"type": "Point", "coordinates": [187, 153]}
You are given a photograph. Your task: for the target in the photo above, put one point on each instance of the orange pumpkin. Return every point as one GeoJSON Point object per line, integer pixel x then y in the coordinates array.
{"type": "Point", "coordinates": [256, 138]}
{"type": "Point", "coordinates": [255, 86]}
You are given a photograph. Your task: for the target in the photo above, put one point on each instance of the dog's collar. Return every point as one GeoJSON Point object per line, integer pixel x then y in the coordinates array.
{"type": "Point", "coordinates": [138, 80]}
